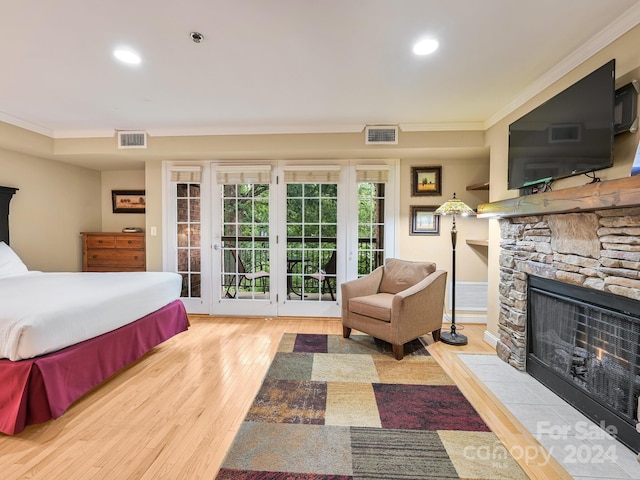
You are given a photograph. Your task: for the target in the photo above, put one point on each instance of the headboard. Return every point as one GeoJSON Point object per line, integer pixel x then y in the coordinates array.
{"type": "Point", "coordinates": [5, 197]}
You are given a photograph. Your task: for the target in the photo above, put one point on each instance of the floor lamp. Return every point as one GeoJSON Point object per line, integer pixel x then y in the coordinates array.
{"type": "Point", "coordinates": [453, 207]}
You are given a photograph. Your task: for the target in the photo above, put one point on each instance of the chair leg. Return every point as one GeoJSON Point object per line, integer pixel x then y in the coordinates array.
{"type": "Point", "coordinates": [398, 351]}
{"type": "Point", "coordinates": [346, 331]}
{"type": "Point", "coordinates": [436, 335]}
{"type": "Point", "coordinates": [330, 289]}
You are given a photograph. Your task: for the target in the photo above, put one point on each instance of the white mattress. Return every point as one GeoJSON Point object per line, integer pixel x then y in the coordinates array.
{"type": "Point", "coordinates": [45, 312]}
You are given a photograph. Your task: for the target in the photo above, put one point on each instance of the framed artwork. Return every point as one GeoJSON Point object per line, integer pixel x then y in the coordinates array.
{"type": "Point", "coordinates": [424, 221]}
{"type": "Point", "coordinates": [128, 201]}
{"type": "Point", "coordinates": [426, 181]}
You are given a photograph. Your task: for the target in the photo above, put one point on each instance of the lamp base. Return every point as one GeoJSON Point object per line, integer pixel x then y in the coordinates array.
{"type": "Point", "coordinates": [453, 338]}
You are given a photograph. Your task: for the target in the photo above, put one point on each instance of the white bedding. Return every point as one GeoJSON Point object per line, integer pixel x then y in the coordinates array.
{"type": "Point", "coordinates": [45, 312]}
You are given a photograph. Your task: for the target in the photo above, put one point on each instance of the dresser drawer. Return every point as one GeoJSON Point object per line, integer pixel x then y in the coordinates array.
{"type": "Point", "coordinates": [116, 258]}
{"type": "Point", "coordinates": [101, 241]}
{"type": "Point", "coordinates": [129, 242]}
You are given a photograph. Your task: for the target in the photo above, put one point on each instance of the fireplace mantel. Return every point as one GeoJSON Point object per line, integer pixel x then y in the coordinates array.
{"type": "Point", "coordinates": [619, 193]}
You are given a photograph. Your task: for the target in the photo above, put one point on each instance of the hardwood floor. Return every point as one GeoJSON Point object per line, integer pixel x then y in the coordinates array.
{"type": "Point", "coordinates": [173, 414]}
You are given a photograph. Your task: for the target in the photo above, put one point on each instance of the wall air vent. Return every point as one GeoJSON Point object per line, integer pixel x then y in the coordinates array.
{"type": "Point", "coordinates": [130, 139]}
{"type": "Point", "coordinates": [381, 135]}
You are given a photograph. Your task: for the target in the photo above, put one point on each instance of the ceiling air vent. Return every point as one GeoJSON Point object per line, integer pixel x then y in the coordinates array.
{"type": "Point", "coordinates": [381, 135]}
{"type": "Point", "coordinates": [132, 139]}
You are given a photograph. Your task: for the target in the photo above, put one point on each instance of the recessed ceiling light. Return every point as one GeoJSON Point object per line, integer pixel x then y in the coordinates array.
{"type": "Point", "coordinates": [127, 56]}
{"type": "Point", "coordinates": [425, 47]}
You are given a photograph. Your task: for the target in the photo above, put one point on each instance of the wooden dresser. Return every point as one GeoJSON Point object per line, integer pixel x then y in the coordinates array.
{"type": "Point", "coordinates": [113, 252]}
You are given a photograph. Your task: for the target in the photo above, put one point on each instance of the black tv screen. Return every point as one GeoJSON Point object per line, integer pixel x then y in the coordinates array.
{"type": "Point", "coordinates": [570, 134]}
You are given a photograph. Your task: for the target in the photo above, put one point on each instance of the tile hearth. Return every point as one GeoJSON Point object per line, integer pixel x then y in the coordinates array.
{"type": "Point", "coordinates": [584, 450]}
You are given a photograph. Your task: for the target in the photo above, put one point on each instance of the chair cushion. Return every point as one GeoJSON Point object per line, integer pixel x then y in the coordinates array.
{"type": "Point", "coordinates": [398, 275]}
{"type": "Point", "coordinates": [376, 306]}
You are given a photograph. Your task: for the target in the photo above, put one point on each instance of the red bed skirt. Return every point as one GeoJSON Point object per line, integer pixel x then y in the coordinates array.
{"type": "Point", "coordinates": [41, 388]}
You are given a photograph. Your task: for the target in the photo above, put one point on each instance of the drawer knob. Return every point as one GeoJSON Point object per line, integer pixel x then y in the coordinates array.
{"type": "Point", "coordinates": [99, 241]}
{"type": "Point", "coordinates": [95, 256]}
{"type": "Point", "coordinates": [129, 242]}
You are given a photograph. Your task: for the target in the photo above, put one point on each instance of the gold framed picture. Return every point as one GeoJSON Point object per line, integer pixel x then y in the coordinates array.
{"type": "Point", "coordinates": [128, 201]}
{"type": "Point", "coordinates": [426, 181]}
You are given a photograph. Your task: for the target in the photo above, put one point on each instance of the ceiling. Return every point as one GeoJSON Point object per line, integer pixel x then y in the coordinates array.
{"type": "Point", "coordinates": [287, 66]}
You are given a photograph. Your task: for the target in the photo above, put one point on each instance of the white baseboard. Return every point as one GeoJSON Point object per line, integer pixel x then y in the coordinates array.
{"type": "Point", "coordinates": [466, 317]}
{"type": "Point", "coordinates": [470, 296]}
{"type": "Point", "coordinates": [490, 338]}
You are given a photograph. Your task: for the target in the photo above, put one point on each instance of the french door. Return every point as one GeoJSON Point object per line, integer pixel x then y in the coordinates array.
{"type": "Point", "coordinates": [279, 238]}
{"type": "Point", "coordinates": [244, 266]}
{"type": "Point", "coordinates": [186, 235]}
{"type": "Point", "coordinates": [313, 202]}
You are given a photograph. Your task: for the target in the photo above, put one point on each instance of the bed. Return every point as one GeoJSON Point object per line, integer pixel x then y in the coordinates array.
{"type": "Point", "coordinates": [61, 334]}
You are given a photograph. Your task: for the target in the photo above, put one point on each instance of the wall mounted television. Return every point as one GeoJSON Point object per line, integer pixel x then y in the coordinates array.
{"type": "Point", "coordinates": [570, 134]}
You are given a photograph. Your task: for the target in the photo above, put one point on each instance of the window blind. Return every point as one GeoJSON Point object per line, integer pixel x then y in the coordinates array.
{"type": "Point", "coordinates": [251, 174]}
{"type": "Point", "coordinates": [186, 174]}
{"type": "Point", "coordinates": [372, 173]}
{"type": "Point", "coordinates": [315, 174]}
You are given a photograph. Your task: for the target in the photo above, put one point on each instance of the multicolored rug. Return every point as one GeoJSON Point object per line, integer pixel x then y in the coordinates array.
{"type": "Point", "coordinates": [335, 409]}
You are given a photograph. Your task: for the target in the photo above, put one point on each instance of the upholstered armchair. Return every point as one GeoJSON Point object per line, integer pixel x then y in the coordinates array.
{"type": "Point", "coordinates": [397, 302]}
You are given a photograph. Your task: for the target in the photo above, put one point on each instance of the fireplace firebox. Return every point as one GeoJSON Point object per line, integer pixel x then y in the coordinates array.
{"type": "Point", "coordinates": [584, 345]}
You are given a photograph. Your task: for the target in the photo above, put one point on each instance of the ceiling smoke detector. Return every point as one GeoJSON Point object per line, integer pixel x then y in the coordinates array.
{"type": "Point", "coordinates": [197, 37]}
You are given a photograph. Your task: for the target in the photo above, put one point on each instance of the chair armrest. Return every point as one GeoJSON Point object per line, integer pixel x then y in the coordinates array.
{"type": "Point", "coordinates": [367, 285]}
{"type": "Point", "coordinates": [424, 300]}
{"type": "Point", "coordinates": [432, 282]}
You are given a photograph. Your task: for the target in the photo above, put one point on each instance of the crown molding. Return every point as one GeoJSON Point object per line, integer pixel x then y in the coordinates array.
{"type": "Point", "coordinates": [617, 28]}
{"type": "Point", "coordinates": [32, 127]}
{"type": "Point", "coordinates": [441, 127]}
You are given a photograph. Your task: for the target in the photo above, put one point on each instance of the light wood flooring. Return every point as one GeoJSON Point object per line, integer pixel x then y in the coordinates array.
{"type": "Point", "coordinates": [174, 413]}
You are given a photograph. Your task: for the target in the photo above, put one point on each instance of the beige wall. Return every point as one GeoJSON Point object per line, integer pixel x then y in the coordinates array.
{"type": "Point", "coordinates": [471, 261]}
{"type": "Point", "coordinates": [457, 151]}
{"type": "Point", "coordinates": [625, 51]}
{"type": "Point", "coordinates": [120, 180]}
{"type": "Point", "coordinates": [155, 211]}
{"type": "Point", "coordinates": [55, 202]}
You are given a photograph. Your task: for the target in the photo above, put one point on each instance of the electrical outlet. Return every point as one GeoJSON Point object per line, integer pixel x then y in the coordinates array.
{"type": "Point", "coordinates": [154, 231]}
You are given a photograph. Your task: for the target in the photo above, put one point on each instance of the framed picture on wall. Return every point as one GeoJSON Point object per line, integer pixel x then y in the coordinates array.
{"type": "Point", "coordinates": [424, 221]}
{"type": "Point", "coordinates": [426, 181]}
{"type": "Point", "coordinates": [128, 201]}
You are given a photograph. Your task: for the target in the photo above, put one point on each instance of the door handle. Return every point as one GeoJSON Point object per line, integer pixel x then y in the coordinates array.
{"type": "Point", "coordinates": [216, 247]}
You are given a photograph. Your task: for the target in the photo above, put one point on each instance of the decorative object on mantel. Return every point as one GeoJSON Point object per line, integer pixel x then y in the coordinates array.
{"type": "Point", "coordinates": [635, 168]}
{"type": "Point", "coordinates": [453, 207]}
{"type": "Point", "coordinates": [128, 201]}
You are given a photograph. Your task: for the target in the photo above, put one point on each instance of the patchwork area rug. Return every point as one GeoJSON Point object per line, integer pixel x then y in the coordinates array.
{"type": "Point", "coordinates": [338, 409]}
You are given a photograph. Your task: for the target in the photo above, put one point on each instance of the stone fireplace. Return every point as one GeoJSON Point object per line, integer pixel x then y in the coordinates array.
{"type": "Point", "coordinates": [597, 250]}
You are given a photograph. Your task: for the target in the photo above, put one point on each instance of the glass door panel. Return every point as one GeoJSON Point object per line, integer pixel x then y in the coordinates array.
{"type": "Point", "coordinates": [244, 249]}
{"type": "Point", "coordinates": [245, 242]}
{"type": "Point", "coordinates": [311, 246]}
{"type": "Point", "coordinates": [188, 243]}
{"type": "Point", "coordinates": [371, 204]}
